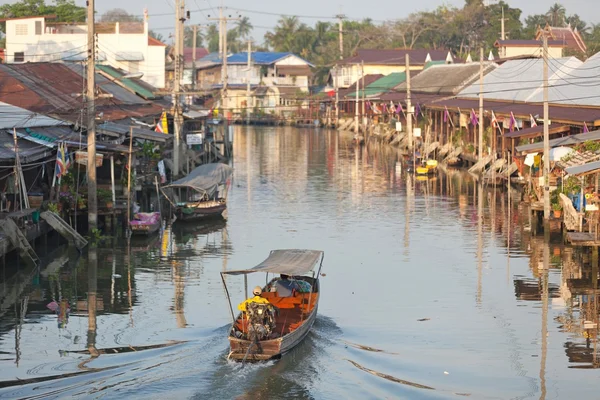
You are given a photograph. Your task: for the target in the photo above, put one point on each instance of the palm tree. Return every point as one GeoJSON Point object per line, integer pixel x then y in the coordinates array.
{"type": "Point", "coordinates": [284, 36]}
{"type": "Point", "coordinates": [556, 15]}
{"type": "Point", "coordinates": [244, 27]}
{"type": "Point", "coordinates": [212, 38]}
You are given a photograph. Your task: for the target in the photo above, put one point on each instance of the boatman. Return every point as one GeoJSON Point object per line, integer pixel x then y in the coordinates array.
{"type": "Point", "coordinates": [256, 299]}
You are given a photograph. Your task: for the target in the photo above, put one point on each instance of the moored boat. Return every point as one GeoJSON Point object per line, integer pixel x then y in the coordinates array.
{"type": "Point", "coordinates": [258, 333]}
{"type": "Point", "coordinates": [145, 223]}
{"type": "Point", "coordinates": [202, 194]}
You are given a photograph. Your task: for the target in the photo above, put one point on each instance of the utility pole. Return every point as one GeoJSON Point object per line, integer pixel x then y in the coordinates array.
{"type": "Point", "coordinates": [502, 34]}
{"type": "Point", "coordinates": [248, 76]}
{"type": "Point", "coordinates": [546, 133]}
{"type": "Point", "coordinates": [195, 31]}
{"type": "Point", "coordinates": [362, 74]}
{"type": "Point", "coordinates": [356, 105]}
{"type": "Point", "coordinates": [177, 111]}
{"type": "Point", "coordinates": [409, 129]}
{"type": "Point", "coordinates": [337, 98]}
{"type": "Point", "coordinates": [340, 18]}
{"type": "Point", "coordinates": [223, 38]}
{"type": "Point", "coordinates": [91, 119]}
{"type": "Point", "coordinates": [221, 30]}
{"type": "Point", "coordinates": [480, 126]}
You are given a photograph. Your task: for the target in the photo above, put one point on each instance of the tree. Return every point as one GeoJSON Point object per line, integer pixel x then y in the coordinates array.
{"type": "Point", "coordinates": [244, 28]}
{"type": "Point", "coordinates": [532, 23]}
{"type": "Point", "coordinates": [189, 37]}
{"type": "Point", "coordinates": [212, 38]}
{"type": "Point", "coordinates": [556, 15]}
{"type": "Point", "coordinates": [576, 23]}
{"type": "Point", "coordinates": [119, 15]}
{"type": "Point", "coordinates": [65, 10]}
{"type": "Point", "coordinates": [156, 35]}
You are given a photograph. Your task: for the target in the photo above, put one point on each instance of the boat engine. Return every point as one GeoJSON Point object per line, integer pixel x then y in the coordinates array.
{"type": "Point", "coordinates": [261, 321]}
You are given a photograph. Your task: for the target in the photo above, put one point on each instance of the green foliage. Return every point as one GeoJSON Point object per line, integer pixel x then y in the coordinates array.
{"type": "Point", "coordinates": [53, 207]}
{"type": "Point", "coordinates": [104, 195]}
{"type": "Point", "coordinates": [571, 185]}
{"type": "Point", "coordinates": [151, 151]}
{"type": "Point", "coordinates": [65, 10]}
{"type": "Point", "coordinates": [591, 145]}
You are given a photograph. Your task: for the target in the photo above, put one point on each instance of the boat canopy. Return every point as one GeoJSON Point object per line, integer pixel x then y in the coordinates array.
{"type": "Point", "coordinates": [205, 178]}
{"type": "Point", "coordinates": [289, 262]}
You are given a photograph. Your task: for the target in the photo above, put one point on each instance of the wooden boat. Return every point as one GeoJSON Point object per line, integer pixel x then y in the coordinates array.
{"type": "Point", "coordinates": [431, 165]}
{"type": "Point", "coordinates": [145, 223]}
{"type": "Point", "coordinates": [423, 171]}
{"type": "Point", "coordinates": [295, 315]}
{"type": "Point", "coordinates": [203, 190]}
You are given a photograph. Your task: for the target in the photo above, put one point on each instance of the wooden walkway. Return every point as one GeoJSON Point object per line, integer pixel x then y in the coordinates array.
{"type": "Point", "coordinates": [583, 239]}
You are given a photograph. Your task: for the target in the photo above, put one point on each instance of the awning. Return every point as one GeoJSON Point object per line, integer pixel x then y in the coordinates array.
{"type": "Point", "coordinates": [584, 169]}
{"type": "Point", "coordinates": [563, 141]}
{"type": "Point", "coordinates": [192, 114]}
{"type": "Point", "coordinates": [537, 131]}
{"type": "Point", "coordinates": [118, 130]}
{"type": "Point", "coordinates": [205, 178]}
{"type": "Point", "coordinates": [129, 56]}
{"type": "Point", "coordinates": [289, 262]}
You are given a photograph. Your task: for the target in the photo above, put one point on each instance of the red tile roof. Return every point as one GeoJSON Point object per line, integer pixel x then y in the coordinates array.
{"type": "Point", "coordinates": [189, 51]}
{"type": "Point", "coordinates": [569, 37]}
{"type": "Point", "coordinates": [155, 42]}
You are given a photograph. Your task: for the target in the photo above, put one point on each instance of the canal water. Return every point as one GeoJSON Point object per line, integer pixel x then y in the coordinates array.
{"type": "Point", "coordinates": [431, 289]}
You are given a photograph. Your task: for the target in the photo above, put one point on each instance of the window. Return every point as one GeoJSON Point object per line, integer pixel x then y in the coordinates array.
{"type": "Point", "coordinates": [38, 27]}
{"type": "Point", "coordinates": [21, 29]}
{"type": "Point", "coordinates": [19, 56]}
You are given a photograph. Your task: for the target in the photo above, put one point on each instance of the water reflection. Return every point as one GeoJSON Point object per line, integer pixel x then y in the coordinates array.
{"type": "Point", "coordinates": [430, 271]}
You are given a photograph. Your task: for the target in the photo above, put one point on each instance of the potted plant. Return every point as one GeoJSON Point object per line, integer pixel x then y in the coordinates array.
{"type": "Point", "coordinates": [557, 207]}
{"type": "Point", "coordinates": [53, 207]}
{"type": "Point", "coordinates": [66, 199]}
{"type": "Point", "coordinates": [105, 196]}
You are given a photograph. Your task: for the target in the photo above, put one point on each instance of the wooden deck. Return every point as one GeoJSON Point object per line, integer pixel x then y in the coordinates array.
{"type": "Point", "coordinates": [585, 239]}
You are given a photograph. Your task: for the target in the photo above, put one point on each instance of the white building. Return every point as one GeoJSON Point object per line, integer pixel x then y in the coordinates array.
{"type": "Point", "coordinates": [124, 45]}
{"type": "Point", "coordinates": [267, 69]}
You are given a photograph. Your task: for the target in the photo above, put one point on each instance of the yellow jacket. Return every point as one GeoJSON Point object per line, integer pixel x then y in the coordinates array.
{"type": "Point", "coordinates": [256, 299]}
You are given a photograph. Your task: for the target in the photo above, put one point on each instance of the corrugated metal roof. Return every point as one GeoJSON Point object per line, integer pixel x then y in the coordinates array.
{"type": "Point", "coordinates": [383, 85]}
{"type": "Point", "coordinates": [119, 93]}
{"type": "Point", "coordinates": [578, 86]}
{"type": "Point", "coordinates": [584, 169]}
{"type": "Point", "coordinates": [258, 57]}
{"type": "Point", "coordinates": [352, 89]}
{"type": "Point", "coordinates": [521, 80]}
{"type": "Point", "coordinates": [17, 117]}
{"type": "Point", "coordinates": [135, 85]}
{"type": "Point", "coordinates": [396, 57]}
{"type": "Point", "coordinates": [558, 114]}
{"type": "Point", "coordinates": [535, 131]}
{"type": "Point", "coordinates": [447, 78]}
{"type": "Point", "coordinates": [112, 129]}
{"type": "Point", "coordinates": [563, 141]}
{"type": "Point", "coordinates": [28, 152]}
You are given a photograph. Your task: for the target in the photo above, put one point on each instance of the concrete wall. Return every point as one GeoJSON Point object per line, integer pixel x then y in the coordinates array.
{"type": "Point", "coordinates": [553, 52]}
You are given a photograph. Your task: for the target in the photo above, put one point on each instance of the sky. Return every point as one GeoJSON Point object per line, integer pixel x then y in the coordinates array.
{"type": "Point", "coordinates": [265, 13]}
